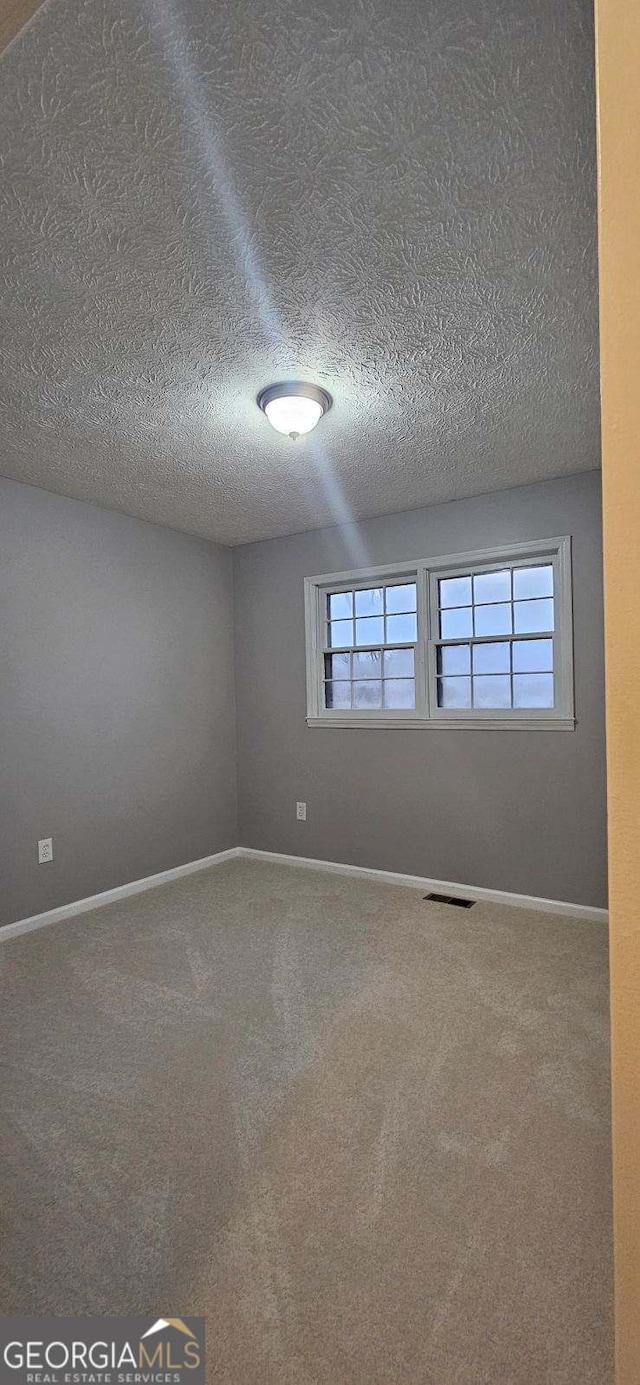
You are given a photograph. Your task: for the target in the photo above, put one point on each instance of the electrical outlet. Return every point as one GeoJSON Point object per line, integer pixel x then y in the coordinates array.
{"type": "Point", "coordinates": [45, 850]}
{"type": "Point", "coordinates": [301, 812]}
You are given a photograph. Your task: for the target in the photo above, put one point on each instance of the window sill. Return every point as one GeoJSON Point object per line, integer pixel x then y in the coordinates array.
{"type": "Point", "coordinates": [446, 723]}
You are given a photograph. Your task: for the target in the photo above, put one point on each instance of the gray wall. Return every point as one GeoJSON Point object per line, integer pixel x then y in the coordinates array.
{"type": "Point", "coordinates": [509, 810]}
{"type": "Point", "coordinates": [117, 730]}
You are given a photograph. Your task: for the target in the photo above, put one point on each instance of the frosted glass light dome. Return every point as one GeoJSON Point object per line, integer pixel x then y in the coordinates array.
{"type": "Point", "coordinates": [294, 408]}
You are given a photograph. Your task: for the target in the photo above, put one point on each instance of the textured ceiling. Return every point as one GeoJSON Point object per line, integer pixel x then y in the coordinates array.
{"type": "Point", "coordinates": [395, 200]}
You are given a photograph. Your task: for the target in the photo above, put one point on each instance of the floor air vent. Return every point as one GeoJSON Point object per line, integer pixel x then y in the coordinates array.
{"type": "Point", "coordinates": [451, 899]}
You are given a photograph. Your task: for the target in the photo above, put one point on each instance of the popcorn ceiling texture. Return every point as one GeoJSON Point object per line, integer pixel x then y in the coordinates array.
{"type": "Point", "coordinates": [396, 201]}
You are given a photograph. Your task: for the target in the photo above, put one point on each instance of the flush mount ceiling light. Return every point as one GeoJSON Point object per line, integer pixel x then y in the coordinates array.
{"type": "Point", "coordinates": [294, 407]}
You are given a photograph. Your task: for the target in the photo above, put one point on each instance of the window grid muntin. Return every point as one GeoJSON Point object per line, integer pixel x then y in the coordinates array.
{"type": "Point", "coordinates": [382, 647]}
{"type": "Point", "coordinates": [355, 619]}
{"type": "Point", "coordinates": [469, 573]}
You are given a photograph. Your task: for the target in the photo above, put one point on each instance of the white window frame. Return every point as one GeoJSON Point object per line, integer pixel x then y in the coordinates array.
{"type": "Point", "coordinates": [316, 591]}
{"type": "Point", "coordinates": [427, 573]}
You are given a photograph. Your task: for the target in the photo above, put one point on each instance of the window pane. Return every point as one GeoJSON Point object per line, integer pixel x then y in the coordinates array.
{"type": "Point", "coordinates": [532, 656]}
{"type": "Point", "coordinates": [454, 693]}
{"type": "Point", "coordinates": [401, 629]}
{"type": "Point", "coordinates": [337, 665]}
{"type": "Point", "coordinates": [531, 616]}
{"type": "Point", "coordinates": [455, 591]}
{"type": "Point", "coordinates": [370, 631]}
{"type": "Point", "coordinates": [367, 694]}
{"type": "Point", "coordinates": [493, 620]}
{"type": "Point", "coordinates": [492, 586]}
{"type": "Point", "coordinates": [401, 598]}
{"type": "Point", "coordinates": [492, 692]}
{"type": "Point", "coordinates": [337, 695]}
{"type": "Point", "coordinates": [340, 633]}
{"type": "Point", "coordinates": [370, 602]}
{"type": "Point", "coordinates": [456, 624]}
{"type": "Point", "coordinates": [454, 658]}
{"type": "Point", "coordinates": [491, 658]}
{"type": "Point", "coordinates": [340, 605]}
{"type": "Point", "coordinates": [400, 692]}
{"type": "Point", "coordinates": [399, 663]}
{"type": "Point", "coordinates": [368, 664]}
{"type": "Point", "coordinates": [532, 581]}
{"type": "Point", "coordinates": [533, 690]}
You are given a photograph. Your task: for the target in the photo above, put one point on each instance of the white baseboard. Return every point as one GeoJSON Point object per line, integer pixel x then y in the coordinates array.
{"type": "Point", "coordinates": [389, 877]}
{"type": "Point", "coordinates": [97, 901]}
{"type": "Point", "coordinates": [448, 887]}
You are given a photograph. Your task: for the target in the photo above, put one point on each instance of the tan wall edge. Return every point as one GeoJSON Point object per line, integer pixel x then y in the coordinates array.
{"type": "Point", "coordinates": [14, 14]}
{"type": "Point", "coordinates": [618, 79]}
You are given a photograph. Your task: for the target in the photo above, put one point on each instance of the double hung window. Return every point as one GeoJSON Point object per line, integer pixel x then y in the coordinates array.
{"type": "Point", "coordinates": [480, 639]}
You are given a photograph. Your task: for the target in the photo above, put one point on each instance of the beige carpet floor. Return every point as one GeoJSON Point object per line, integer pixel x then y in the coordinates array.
{"type": "Point", "coordinates": [365, 1135]}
